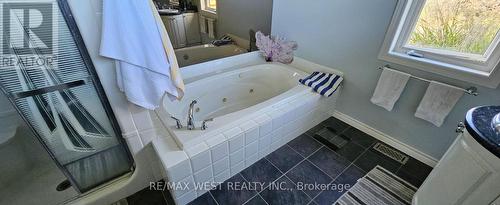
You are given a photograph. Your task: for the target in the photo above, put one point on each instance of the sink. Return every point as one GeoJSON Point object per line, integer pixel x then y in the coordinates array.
{"type": "Point", "coordinates": [168, 11]}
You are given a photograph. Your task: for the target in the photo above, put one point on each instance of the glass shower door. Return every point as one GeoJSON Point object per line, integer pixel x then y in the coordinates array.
{"type": "Point", "coordinates": [75, 128]}
{"type": "Point", "coordinates": [28, 175]}
{"type": "Point", "coordinates": [60, 98]}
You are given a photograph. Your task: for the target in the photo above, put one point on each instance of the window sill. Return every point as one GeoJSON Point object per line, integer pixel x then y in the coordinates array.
{"type": "Point", "coordinates": [490, 80]}
{"type": "Point", "coordinates": [209, 14]}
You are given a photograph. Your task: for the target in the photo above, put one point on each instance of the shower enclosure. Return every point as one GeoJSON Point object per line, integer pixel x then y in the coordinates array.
{"type": "Point", "coordinates": [58, 135]}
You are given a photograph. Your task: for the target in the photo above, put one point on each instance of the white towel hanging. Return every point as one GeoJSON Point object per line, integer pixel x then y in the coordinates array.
{"type": "Point", "coordinates": [438, 101]}
{"type": "Point", "coordinates": [130, 35]}
{"type": "Point", "coordinates": [203, 24]}
{"type": "Point", "coordinates": [389, 88]}
{"type": "Point", "coordinates": [211, 27]}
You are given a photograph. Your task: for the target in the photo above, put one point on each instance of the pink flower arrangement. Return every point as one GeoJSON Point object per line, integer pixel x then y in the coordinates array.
{"type": "Point", "coordinates": [275, 48]}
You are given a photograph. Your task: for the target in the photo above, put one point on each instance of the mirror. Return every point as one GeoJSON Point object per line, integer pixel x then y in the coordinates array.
{"type": "Point", "coordinates": [205, 30]}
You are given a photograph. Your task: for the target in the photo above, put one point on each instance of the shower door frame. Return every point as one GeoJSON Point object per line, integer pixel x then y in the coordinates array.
{"type": "Point", "coordinates": [94, 79]}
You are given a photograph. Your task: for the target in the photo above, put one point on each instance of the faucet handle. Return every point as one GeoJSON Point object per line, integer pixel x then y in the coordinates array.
{"type": "Point", "coordinates": [178, 124]}
{"type": "Point", "coordinates": [204, 123]}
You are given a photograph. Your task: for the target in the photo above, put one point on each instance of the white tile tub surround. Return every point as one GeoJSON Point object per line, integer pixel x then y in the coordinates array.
{"type": "Point", "coordinates": [221, 156]}
{"type": "Point", "coordinates": [237, 157]}
{"type": "Point", "coordinates": [236, 138]}
{"type": "Point", "coordinates": [204, 176]}
{"type": "Point", "coordinates": [265, 124]}
{"type": "Point", "coordinates": [223, 152]}
{"type": "Point", "coordinates": [220, 166]}
{"type": "Point", "coordinates": [264, 145]}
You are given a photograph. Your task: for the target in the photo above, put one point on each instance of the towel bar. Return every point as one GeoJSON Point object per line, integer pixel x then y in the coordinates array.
{"type": "Point", "coordinates": [470, 90]}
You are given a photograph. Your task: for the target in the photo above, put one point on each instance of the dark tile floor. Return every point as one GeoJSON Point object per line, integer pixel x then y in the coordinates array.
{"type": "Point", "coordinates": [303, 161]}
{"type": "Point", "coordinates": [150, 197]}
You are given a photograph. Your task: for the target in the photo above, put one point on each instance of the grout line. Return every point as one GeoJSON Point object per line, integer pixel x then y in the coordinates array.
{"type": "Point", "coordinates": [297, 162]}
{"type": "Point", "coordinates": [321, 169]}
{"type": "Point", "coordinates": [284, 174]}
{"type": "Point", "coordinates": [258, 194]}
{"type": "Point", "coordinates": [343, 171]}
{"type": "Point", "coordinates": [310, 198]}
{"type": "Point", "coordinates": [249, 199]}
{"type": "Point", "coordinates": [210, 193]}
{"type": "Point", "coordinates": [359, 156]}
{"type": "Point", "coordinates": [248, 182]}
{"type": "Point", "coordinates": [242, 176]}
{"type": "Point", "coordinates": [322, 145]}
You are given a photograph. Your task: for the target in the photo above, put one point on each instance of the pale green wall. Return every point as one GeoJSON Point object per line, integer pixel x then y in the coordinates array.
{"type": "Point", "coordinates": [347, 34]}
{"type": "Point", "coordinates": [238, 16]}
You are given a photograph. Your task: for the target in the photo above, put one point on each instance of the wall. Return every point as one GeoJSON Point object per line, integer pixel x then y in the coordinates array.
{"type": "Point", "coordinates": [239, 16]}
{"type": "Point", "coordinates": [347, 35]}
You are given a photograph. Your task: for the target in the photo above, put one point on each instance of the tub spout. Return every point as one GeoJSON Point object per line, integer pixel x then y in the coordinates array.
{"type": "Point", "coordinates": [190, 119]}
{"type": "Point", "coordinates": [204, 123]}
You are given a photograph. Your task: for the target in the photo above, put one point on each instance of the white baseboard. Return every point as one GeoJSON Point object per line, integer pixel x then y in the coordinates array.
{"type": "Point", "coordinates": [413, 152]}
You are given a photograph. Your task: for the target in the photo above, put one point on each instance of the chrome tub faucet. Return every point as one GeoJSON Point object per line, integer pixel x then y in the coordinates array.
{"type": "Point", "coordinates": [190, 119]}
{"type": "Point", "coordinates": [204, 123]}
{"type": "Point", "coordinates": [178, 123]}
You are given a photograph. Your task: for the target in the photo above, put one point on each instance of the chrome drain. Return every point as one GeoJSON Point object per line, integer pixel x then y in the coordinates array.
{"type": "Point", "coordinates": [224, 100]}
{"type": "Point", "coordinates": [391, 152]}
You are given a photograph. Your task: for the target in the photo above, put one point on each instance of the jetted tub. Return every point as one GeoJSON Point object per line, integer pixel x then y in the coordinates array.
{"type": "Point", "coordinates": [207, 52]}
{"type": "Point", "coordinates": [256, 108]}
{"type": "Point", "coordinates": [235, 97]}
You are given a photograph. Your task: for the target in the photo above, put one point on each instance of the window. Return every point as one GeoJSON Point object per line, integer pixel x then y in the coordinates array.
{"type": "Point", "coordinates": [209, 5]}
{"type": "Point", "coordinates": [455, 38]}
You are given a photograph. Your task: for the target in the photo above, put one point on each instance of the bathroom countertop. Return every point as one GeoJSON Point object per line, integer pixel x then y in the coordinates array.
{"type": "Point", "coordinates": [478, 124]}
{"type": "Point", "coordinates": [180, 12]}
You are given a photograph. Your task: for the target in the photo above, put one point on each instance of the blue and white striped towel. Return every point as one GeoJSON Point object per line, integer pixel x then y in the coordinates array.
{"type": "Point", "coordinates": [323, 83]}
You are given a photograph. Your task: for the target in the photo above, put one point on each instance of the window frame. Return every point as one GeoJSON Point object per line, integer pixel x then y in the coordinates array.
{"type": "Point", "coordinates": [447, 63]}
{"type": "Point", "coordinates": [206, 8]}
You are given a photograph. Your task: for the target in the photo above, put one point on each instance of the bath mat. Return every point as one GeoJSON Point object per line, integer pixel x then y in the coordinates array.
{"type": "Point", "coordinates": [330, 139]}
{"type": "Point", "coordinates": [379, 187]}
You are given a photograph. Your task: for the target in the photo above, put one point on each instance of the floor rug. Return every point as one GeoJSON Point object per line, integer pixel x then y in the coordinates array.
{"type": "Point", "coordinates": [378, 187]}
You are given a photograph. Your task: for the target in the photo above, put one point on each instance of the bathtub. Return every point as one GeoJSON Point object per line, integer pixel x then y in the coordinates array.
{"type": "Point", "coordinates": [207, 52]}
{"type": "Point", "coordinates": [233, 98]}
{"type": "Point", "coordinates": [255, 109]}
